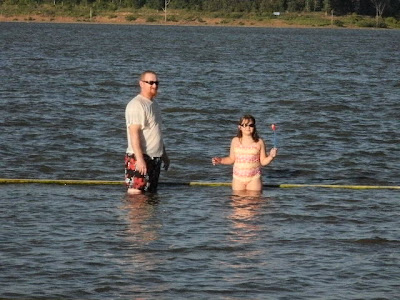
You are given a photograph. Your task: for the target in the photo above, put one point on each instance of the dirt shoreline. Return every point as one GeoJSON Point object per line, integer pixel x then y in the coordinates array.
{"type": "Point", "coordinates": [121, 19]}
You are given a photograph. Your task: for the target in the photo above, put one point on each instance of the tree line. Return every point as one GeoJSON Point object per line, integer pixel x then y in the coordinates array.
{"type": "Point", "coordinates": [387, 8]}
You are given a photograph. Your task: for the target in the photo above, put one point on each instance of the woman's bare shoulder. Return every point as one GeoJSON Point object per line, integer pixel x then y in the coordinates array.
{"type": "Point", "coordinates": [261, 142]}
{"type": "Point", "coordinates": [235, 141]}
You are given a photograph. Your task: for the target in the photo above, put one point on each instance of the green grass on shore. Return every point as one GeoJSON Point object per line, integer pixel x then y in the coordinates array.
{"type": "Point", "coordinates": [83, 13]}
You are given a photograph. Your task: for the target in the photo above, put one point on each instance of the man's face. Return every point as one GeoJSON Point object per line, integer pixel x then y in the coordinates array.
{"type": "Point", "coordinates": [149, 85]}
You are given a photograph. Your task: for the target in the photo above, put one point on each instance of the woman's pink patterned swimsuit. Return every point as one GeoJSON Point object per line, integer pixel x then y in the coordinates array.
{"type": "Point", "coordinates": [247, 163]}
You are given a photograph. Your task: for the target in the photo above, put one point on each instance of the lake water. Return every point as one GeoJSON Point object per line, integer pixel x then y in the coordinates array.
{"type": "Point", "coordinates": [334, 95]}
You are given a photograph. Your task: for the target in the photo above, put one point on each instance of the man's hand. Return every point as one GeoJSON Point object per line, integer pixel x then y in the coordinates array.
{"type": "Point", "coordinates": [166, 162]}
{"type": "Point", "coordinates": [141, 166]}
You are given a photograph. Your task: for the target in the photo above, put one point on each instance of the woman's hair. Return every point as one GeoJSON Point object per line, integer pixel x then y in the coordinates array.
{"type": "Point", "coordinates": [248, 118]}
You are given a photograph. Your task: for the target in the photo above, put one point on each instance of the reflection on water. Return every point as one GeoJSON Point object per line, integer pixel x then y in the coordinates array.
{"type": "Point", "coordinates": [143, 224]}
{"type": "Point", "coordinates": [247, 194]}
{"type": "Point", "coordinates": [247, 207]}
{"type": "Point", "coordinates": [246, 204]}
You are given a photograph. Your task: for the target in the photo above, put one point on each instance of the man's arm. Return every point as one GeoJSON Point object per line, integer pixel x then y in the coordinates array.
{"type": "Point", "coordinates": [134, 132]}
{"type": "Point", "coordinates": [165, 159]}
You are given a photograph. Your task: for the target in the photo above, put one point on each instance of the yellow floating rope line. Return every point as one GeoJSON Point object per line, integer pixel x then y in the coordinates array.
{"type": "Point", "coordinates": [60, 181]}
{"type": "Point", "coordinates": [338, 186]}
{"type": "Point", "coordinates": [203, 183]}
{"type": "Point", "coordinates": [191, 183]}
{"type": "Point", "coordinates": [341, 186]}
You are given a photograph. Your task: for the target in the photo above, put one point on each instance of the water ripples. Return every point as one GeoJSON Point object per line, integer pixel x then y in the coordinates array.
{"type": "Point", "coordinates": [333, 94]}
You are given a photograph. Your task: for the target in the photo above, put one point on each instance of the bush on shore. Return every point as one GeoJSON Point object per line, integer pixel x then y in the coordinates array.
{"type": "Point", "coordinates": [86, 13]}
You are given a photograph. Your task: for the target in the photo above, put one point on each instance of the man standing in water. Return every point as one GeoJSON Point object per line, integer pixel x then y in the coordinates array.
{"type": "Point", "coordinates": [146, 148]}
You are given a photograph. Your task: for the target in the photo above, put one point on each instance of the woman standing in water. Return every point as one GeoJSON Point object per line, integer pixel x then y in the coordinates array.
{"type": "Point", "coordinates": [248, 155]}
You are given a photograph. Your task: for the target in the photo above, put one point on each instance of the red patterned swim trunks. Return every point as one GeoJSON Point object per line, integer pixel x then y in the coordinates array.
{"type": "Point", "coordinates": [147, 182]}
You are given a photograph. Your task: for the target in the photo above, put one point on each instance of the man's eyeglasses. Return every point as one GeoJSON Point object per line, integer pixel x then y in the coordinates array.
{"type": "Point", "coordinates": [151, 82]}
{"type": "Point", "coordinates": [248, 125]}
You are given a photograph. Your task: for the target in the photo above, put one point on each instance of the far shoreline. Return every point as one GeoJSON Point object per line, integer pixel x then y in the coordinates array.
{"type": "Point", "coordinates": [120, 19]}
